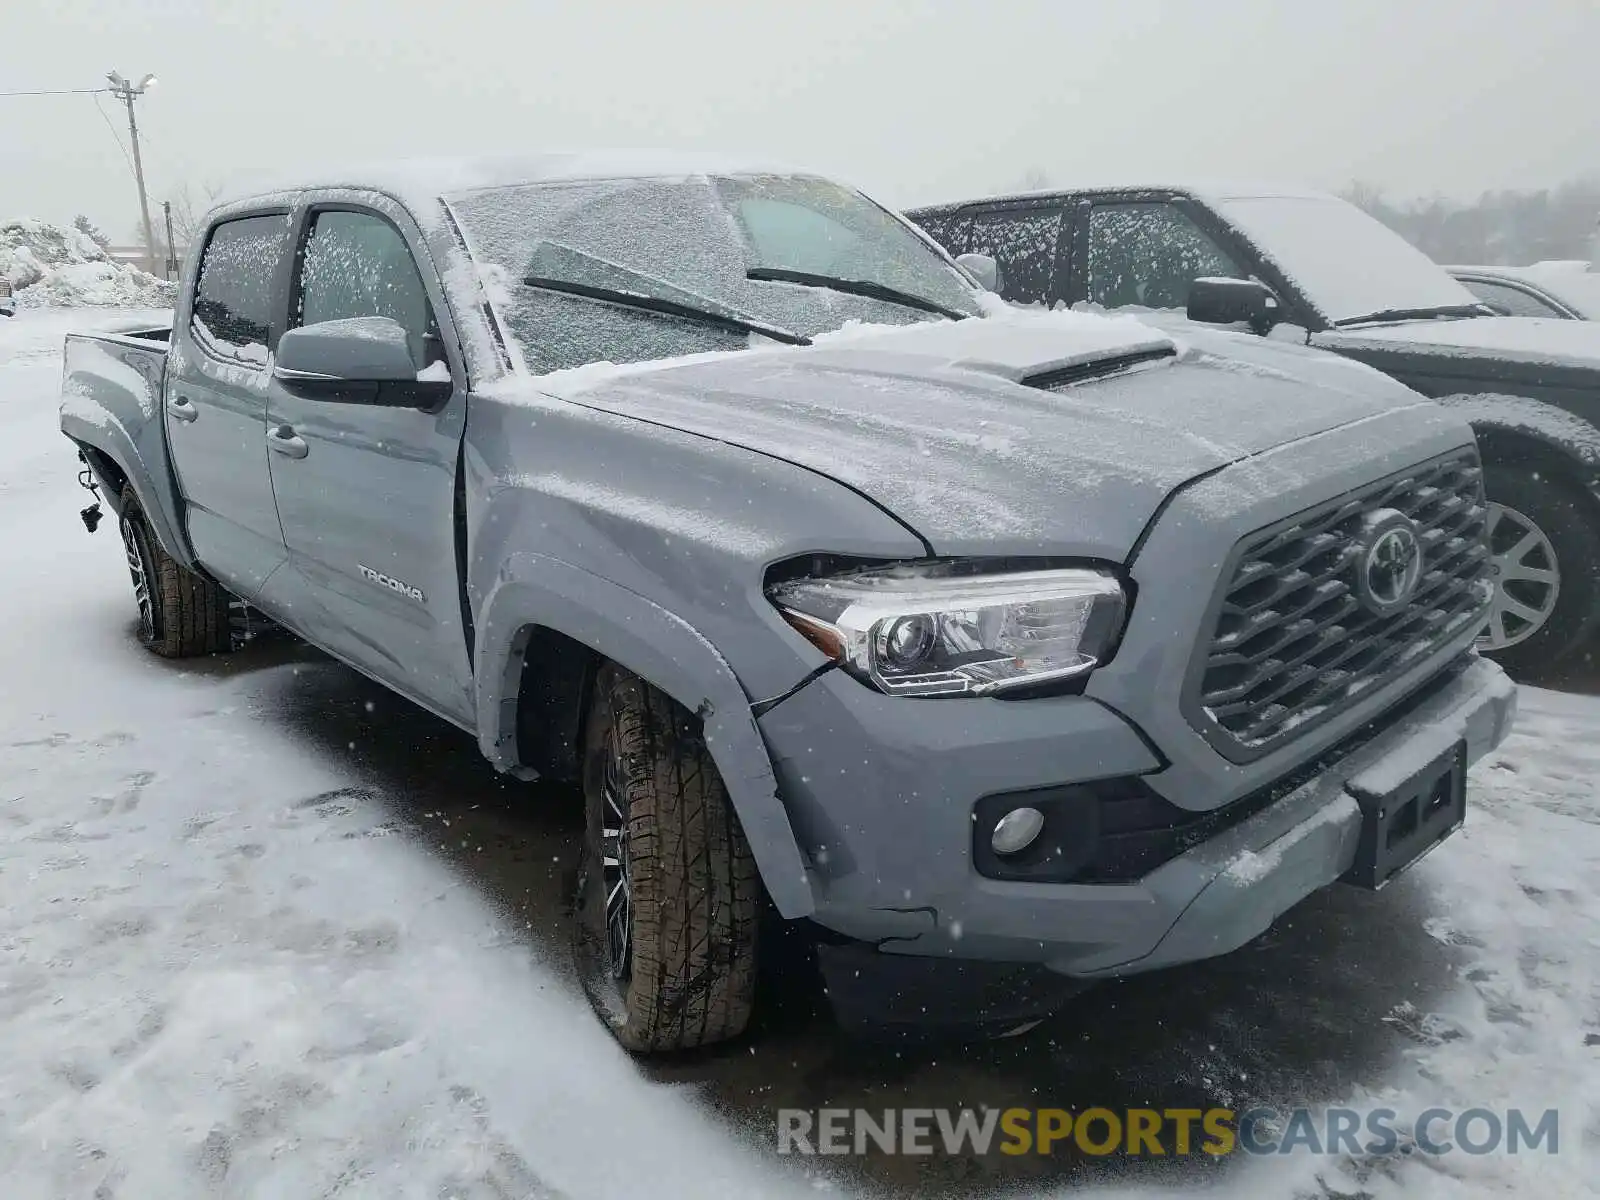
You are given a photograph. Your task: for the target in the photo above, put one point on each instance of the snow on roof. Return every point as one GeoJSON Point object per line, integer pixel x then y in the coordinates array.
{"type": "Point", "coordinates": [1208, 189]}
{"type": "Point", "coordinates": [423, 180]}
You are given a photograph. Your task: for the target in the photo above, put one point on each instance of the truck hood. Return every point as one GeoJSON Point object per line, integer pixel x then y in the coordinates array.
{"type": "Point", "coordinates": [1535, 342]}
{"type": "Point", "coordinates": [986, 436]}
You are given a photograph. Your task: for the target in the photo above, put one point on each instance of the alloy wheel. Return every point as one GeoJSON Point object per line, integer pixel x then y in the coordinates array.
{"type": "Point", "coordinates": [138, 568]}
{"type": "Point", "coordinates": [615, 874]}
{"type": "Point", "coordinates": [1526, 576]}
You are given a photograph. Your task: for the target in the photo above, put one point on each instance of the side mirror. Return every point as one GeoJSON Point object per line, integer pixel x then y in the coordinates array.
{"type": "Point", "coordinates": [1228, 301]}
{"type": "Point", "coordinates": [982, 268]}
{"type": "Point", "coordinates": [359, 360]}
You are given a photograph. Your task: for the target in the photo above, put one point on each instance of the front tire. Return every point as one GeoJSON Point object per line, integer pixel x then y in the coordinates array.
{"type": "Point", "coordinates": [1546, 563]}
{"type": "Point", "coordinates": [181, 614]}
{"type": "Point", "coordinates": [668, 901]}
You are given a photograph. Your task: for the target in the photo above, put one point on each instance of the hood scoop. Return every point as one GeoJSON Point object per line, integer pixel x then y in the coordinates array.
{"type": "Point", "coordinates": [1058, 379]}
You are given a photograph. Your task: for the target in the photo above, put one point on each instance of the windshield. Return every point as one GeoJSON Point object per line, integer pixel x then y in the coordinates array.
{"type": "Point", "coordinates": [581, 261]}
{"type": "Point", "coordinates": [1579, 290]}
{"type": "Point", "coordinates": [1346, 263]}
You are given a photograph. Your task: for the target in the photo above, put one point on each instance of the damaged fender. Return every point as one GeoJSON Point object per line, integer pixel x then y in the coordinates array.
{"type": "Point", "coordinates": [659, 647]}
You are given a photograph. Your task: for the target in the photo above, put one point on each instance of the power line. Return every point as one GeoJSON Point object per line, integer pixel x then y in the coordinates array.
{"type": "Point", "coordinates": [127, 92]}
{"type": "Point", "coordinates": [57, 92]}
{"type": "Point", "coordinates": [115, 136]}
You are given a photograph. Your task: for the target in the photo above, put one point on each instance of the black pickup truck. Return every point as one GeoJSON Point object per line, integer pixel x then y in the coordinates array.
{"type": "Point", "coordinates": [1282, 262]}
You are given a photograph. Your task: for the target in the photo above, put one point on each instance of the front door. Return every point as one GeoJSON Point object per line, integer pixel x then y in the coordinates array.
{"type": "Point", "coordinates": [1146, 254]}
{"type": "Point", "coordinates": [367, 494]}
{"type": "Point", "coordinates": [216, 403]}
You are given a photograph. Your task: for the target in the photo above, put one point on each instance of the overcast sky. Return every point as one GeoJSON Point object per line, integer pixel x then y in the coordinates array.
{"type": "Point", "coordinates": [914, 100]}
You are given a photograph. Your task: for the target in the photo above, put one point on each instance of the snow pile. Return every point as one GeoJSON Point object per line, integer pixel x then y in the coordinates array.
{"type": "Point", "coordinates": [48, 266]}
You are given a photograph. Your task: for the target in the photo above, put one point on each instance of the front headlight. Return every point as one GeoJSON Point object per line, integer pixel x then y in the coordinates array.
{"type": "Point", "coordinates": [949, 629]}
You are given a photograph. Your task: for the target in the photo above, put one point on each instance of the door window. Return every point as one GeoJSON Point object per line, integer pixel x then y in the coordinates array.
{"type": "Point", "coordinates": [1511, 301]}
{"type": "Point", "coordinates": [232, 314]}
{"type": "Point", "coordinates": [357, 264]}
{"type": "Point", "coordinates": [1023, 242]}
{"type": "Point", "coordinates": [1148, 255]}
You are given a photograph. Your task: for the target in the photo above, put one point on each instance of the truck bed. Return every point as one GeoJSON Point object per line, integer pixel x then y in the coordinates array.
{"type": "Point", "coordinates": [111, 400]}
{"type": "Point", "coordinates": [113, 378]}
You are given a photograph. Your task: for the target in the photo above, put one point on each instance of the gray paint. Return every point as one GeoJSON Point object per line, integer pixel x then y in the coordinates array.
{"type": "Point", "coordinates": [640, 514]}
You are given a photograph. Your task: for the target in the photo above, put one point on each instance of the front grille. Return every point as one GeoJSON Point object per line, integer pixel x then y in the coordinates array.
{"type": "Point", "coordinates": [1295, 643]}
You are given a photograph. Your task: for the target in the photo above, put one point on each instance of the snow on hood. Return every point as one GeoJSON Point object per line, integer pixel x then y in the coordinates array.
{"type": "Point", "coordinates": [1538, 341]}
{"type": "Point", "coordinates": [932, 422]}
{"type": "Point", "coordinates": [1012, 346]}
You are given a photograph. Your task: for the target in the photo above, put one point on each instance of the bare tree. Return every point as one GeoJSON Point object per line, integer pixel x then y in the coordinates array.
{"type": "Point", "coordinates": [189, 207]}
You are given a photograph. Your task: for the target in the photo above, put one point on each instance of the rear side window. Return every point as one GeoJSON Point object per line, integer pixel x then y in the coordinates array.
{"type": "Point", "coordinates": [1023, 242]}
{"type": "Point", "coordinates": [232, 315]}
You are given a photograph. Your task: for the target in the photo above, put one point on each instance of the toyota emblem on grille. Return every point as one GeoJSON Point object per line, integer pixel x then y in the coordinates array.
{"type": "Point", "coordinates": [1391, 561]}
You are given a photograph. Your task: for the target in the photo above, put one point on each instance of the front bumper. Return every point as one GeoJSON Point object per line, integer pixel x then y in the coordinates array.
{"type": "Point", "coordinates": [881, 791]}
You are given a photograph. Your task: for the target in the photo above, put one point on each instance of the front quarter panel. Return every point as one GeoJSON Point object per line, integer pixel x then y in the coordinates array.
{"type": "Point", "coordinates": [687, 522]}
{"type": "Point", "coordinates": [650, 546]}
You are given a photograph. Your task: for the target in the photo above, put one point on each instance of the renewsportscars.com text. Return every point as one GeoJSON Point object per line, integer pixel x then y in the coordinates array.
{"type": "Point", "coordinates": [1372, 1132]}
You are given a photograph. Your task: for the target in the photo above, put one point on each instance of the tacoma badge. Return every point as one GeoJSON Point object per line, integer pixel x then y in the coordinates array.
{"type": "Point", "coordinates": [393, 584]}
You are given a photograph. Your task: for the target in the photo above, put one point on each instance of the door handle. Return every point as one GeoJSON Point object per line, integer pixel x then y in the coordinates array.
{"type": "Point", "coordinates": [286, 441]}
{"type": "Point", "coordinates": [181, 408]}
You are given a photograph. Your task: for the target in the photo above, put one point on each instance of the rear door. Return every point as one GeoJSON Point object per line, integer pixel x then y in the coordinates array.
{"type": "Point", "coordinates": [367, 495]}
{"type": "Point", "coordinates": [216, 400]}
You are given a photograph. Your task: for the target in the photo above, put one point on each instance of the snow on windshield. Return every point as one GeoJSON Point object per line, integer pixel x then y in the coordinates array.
{"type": "Point", "coordinates": [692, 243]}
{"type": "Point", "coordinates": [1577, 289]}
{"type": "Point", "coordinates": [1347, 263]}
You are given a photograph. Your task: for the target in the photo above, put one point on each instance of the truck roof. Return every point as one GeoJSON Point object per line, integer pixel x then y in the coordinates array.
{"type": "Point", "coordinates": [419, 181]}
{"type": "Point", "coordinates": [1209, 190]}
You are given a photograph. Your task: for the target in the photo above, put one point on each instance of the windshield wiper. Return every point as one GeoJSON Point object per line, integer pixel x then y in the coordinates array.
{"type": "Point", "coordinates": [1418, 314]}
{"type": "Point", "coordinates": [671, 308]}
{"type": "Point", "coordinates": [855, 287]}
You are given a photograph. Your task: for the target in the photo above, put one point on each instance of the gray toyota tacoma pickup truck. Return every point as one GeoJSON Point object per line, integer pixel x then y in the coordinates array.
{"type": "Point", "coordinates": [997, 652]}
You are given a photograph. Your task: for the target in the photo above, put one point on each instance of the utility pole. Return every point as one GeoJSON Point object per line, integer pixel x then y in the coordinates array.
{"type": "Point", "coordinates": [128, 93]}
{"type": "Point", "coordinates": [172, 247]}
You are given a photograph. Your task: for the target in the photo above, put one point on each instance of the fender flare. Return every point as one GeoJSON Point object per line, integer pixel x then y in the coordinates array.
{"type": "Point", "coordinates": [1552, 432]}
{"type": "Point", "coordinates": [160, 504]}
{"type": "Point", "coordinates": [533, 590]}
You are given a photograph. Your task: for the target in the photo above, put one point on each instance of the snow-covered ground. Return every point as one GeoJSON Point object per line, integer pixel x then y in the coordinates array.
{"type": "Point", "coordinates": [252, 944]}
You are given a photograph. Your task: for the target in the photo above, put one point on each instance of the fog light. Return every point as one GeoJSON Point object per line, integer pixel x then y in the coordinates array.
{"type": "Point", "coordinates": [1015, 831]}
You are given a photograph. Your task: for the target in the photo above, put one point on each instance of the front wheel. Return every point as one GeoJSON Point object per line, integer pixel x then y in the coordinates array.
{"type": "Point", "coordinates": [1546, 570]}
{"type": "Point", "coordinates": [668, 898]}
